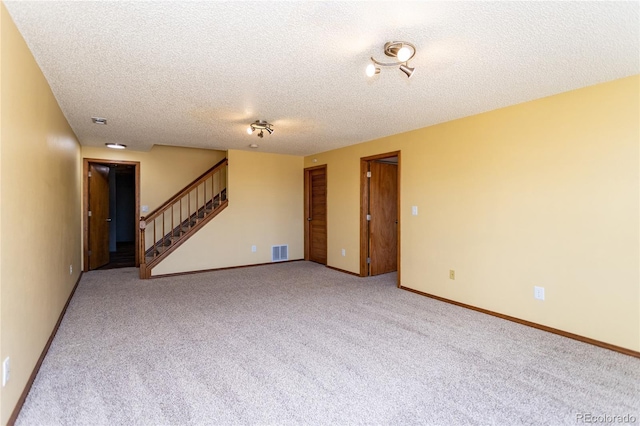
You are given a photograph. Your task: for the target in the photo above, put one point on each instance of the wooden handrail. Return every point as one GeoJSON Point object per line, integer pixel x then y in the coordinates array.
{"type": "Point", "coordinates": [158, 211]}
{"type": "Point", "coordinates": [206, 210]}
{"type": "Point", "coordinates": [148, 266]}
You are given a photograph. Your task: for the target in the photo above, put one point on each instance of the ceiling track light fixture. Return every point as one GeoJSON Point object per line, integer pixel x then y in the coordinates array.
{"type": "Point", "coordinates": [260, 125]}
{"type": "Point", "coordinates": [402, 51]}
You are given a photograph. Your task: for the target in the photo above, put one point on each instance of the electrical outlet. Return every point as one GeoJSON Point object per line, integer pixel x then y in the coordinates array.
{"type": "Point", "coordinates": [452, 274]}
{"type": "Point", "coordinates": [254, 249]}
{"type": "Point", "coordinates": [344, 252]}
{"type": "Point", "coordinates": [538, 292]}
{"type": "Point", "coordinates": [70, 269]}
{"type": "Point", "coordinates": [6, 371]}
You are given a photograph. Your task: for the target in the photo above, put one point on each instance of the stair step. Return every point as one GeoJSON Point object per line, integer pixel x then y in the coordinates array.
{"type": "Point", "coordinates": [184, 228]}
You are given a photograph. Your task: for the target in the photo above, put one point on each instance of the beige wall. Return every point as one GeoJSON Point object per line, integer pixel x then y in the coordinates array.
{"type": "Point", "coordinates": [543, 193]}
{"type": "Point", "coordinates": [40, 227]}
{"type": "Point", "coordinates": [164, 170]}
{"type": "Point", "coordinates": [265, 208]}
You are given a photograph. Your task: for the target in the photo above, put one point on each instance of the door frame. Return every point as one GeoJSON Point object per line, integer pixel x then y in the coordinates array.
{"type": "Point", "coordinates": [364, 204]}
{"type": "Point", "coordinates": [85, 204]}
{"type": "Point", "coordinates": [307, 208]}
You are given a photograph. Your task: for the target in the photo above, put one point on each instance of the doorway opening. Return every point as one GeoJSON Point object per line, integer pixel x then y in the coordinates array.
{"type": "Point", "coordinates": [111, 203]}
{"type": "Point", "coordinates": [380, 214]}
{"type": "Point", "coordinates": [315, 213]}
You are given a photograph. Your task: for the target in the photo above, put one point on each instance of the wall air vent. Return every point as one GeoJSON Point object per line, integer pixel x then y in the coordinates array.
{"type": "Point", "coordinates": [279, 253]}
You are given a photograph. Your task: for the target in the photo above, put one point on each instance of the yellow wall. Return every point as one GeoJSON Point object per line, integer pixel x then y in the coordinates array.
{"type": "Point", "coordinates": [40, 227]}
{"type": "Point", "coordinates": [164, 170]}
{"type": "Point", "coordinates": [543, 193]}
{"type": "Point", "coordinates": [265, 208]}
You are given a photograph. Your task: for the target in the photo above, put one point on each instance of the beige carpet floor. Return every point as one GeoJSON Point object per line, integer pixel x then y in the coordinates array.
{"type": "Point", "coordinates": [298, 343]}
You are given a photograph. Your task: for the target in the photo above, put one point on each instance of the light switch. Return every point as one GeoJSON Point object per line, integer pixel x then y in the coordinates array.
{"type": "Point", "coordinates": [144, 209]}
{"type": "Point", "coordinates": [414, 210]}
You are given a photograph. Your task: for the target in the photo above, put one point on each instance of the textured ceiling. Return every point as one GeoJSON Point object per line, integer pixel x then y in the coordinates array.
{"type": "Point", "coordinates": [197, 73]}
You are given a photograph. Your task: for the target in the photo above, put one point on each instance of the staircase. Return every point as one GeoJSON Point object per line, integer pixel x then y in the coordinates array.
{"type": "Point", "coordinates": [167, 227]}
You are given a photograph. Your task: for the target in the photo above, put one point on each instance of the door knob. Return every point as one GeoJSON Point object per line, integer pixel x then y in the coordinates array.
{"type": "Point", "coordinates": [309, 219]}
{"type": "Point", "coordinates": [109, 219]}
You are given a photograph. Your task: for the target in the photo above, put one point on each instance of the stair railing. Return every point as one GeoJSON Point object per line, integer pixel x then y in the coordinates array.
{"type": "Point", "coordinates": [168, 226]}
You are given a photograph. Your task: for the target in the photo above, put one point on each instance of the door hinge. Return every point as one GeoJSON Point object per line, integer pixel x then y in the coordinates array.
{"type": "Point", "coordinates": [368, 260]}
{"type": "Point", "coordinates": [368, 217]}
{"type": "Point", "coordinates": [368, 174]}
{"type": "Point", "coordinates": [89, 174]}
{"type": "Point", "coordinates": [89, 214]}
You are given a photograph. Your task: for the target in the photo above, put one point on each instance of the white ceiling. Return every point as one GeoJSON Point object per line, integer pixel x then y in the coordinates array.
{"type": "Point", "coordinates": [197, 73]}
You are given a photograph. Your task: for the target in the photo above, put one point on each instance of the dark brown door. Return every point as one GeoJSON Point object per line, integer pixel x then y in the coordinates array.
{"type": "Point", "coordinates": [99, 218]}
{"type": "Point", "coordinates": [316, 212]}
{"type": "Point", "coordinates": [383, 226]}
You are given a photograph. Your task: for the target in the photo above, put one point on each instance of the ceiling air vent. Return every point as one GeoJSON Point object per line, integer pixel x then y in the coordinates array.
{"type": "Point", "coordinates": [99, 120]}
{"type": "Point", "coordinates": [279, 253]}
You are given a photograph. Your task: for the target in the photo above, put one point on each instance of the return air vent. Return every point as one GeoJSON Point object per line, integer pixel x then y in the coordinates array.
{"type": "Point", "coordinates": [279, 253]}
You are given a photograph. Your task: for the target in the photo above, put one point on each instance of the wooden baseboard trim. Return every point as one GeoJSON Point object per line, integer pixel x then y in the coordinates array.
{"type": "Point", "coordinates": [177, 274]}
{"type": "Point", "coordinates": [34, 373]}
{"type": "Point", "coordinates": [343, 271]}
{"type": "Point", "coordinates": [577, 337]}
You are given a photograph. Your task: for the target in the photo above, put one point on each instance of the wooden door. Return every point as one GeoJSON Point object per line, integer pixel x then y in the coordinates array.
{"type": "Point", "coordinates": [316, 214]}
{"type": "Point", "coordinates": [383, 225]}
{"type": "Point", "coordinates": [99, 218]}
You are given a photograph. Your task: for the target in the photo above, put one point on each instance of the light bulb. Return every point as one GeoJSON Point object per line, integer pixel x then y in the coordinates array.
{"type": "Point", "coordinates": [404, 54]}
{"type": "Point", "coordinates": [371, 70]}
{"type": "Point", "coordinates": [249, 130]}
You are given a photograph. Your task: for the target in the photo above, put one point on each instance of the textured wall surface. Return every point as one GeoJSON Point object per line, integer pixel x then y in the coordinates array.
{"type": "Point", "coordinates": [544, 193]}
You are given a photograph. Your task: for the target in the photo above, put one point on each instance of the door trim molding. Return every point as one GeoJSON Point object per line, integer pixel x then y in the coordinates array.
{"type": "Point", "coordinates": [364, 203]}
{"type": "Point", "coordinates": [307, 207]}
{"type": "Point", "coordinates": [85, 204]}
